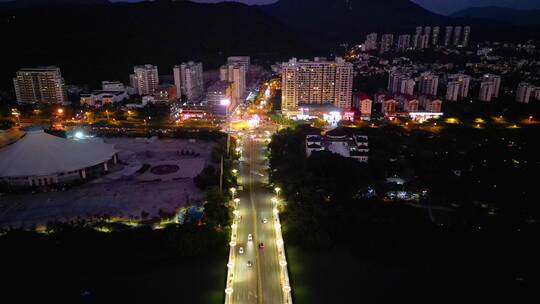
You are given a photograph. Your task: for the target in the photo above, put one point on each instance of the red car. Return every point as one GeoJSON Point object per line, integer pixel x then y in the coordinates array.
{"type": "Point", "coordinates": [261, 245]}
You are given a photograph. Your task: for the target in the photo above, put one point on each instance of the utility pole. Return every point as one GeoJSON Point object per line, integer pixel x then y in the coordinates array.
{"type": "Point", "coordinates": [228, 143]}
{"type": "Point", "coordinates": [221, 176]}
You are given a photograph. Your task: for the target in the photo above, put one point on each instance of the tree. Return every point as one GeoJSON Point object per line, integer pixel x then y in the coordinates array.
{"type": "Point", "coordinates": [216, 211]}
{"type": "Point", "coordinates": [207, 178]}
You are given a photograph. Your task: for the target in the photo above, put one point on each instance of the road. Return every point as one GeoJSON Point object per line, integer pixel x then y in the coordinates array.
{"type": "Point", "coordinates": [261, 282]}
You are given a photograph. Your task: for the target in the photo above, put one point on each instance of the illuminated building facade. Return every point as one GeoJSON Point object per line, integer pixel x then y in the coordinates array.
{"type": "Point", "coordinates": [489, 87]}
{"type": "Point", "coordinates": [41, 85]}
{"type": "Point", "coordinates": [188, 80]}
{"type": "Point", "coordinates": [458, 87]}
{"type": "Point", "coordinates": [219, 98]}
{"type": "Point", "coordinates": [236, 74]}
{"type": "Point", "coordinates": [316, 82]}
{"type": "Point", "coordinates": [145, 79]}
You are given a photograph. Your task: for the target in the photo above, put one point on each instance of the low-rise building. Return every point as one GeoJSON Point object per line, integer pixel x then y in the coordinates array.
{"type": "Point", "coordinates": [99, 98]}
{"type": "Point", "coordinates": [409, 102]}
{"type": "Point", "coordinates": [113, 86]}
{"type": "Point", "coordinates": [165, 93]}
{"type": "Point", "coordinates": [431, 103]}
{"type": "Point", "coordinates": [339, 141]}
{"type": "Point", "coordinates": [389, 106]}
{"type": "Point", "coordinates": [364, 104]}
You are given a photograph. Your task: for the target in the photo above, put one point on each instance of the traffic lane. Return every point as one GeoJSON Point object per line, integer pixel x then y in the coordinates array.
{"type": "Point", "coordinates": [245, 285]}
{"type": "Point", "coordinates": [247, 280]}
{"type": "Point", "coordinates": [270, 269]}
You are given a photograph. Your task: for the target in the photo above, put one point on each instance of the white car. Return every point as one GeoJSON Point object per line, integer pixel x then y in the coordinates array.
{"type": "Point", "coordinates": [250, 237]}
{"type": "Point", "coordinates": [241, 250]}
{"type": "Point", "coordinates": [264, 221]}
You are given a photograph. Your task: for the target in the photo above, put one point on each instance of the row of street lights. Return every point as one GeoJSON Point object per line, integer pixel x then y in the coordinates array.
{"type": "Point", "coordinates": [284, 275]}
{"type": "Point", "coordinates": [229, 290]}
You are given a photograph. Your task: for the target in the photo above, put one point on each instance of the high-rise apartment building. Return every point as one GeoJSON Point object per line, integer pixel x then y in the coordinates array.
{"type": "Point", "coordinates": [316, 82]}
{"type": "Point", "coordinates": [449, 30]}
{"type": "Point", "coordinates": [420, 42]}
{"type": "Point", "coordinates": [428, 83]}
{"type": "Point", "coordinates": [458, 87]}
{"type": "Point", "coordinates": [524, 92]}
{"type": "Point", "coordinates": [491, 84]}
{"type": "Point", "coordinates": [145, 79]}
{"type": "Point", "coordinates": [40, 85]}
{"type": "Point", "coordinates": [466, 36]}
{"type": "Point", "coordinates": [400, 83]}
{"type": "Point", "coordinates": [219, 98]}
{"type": "Point", "coordinates": [419, 30]}
{"type": "Point", "coordinates": [457, 36]}
{"type": "Point", "coordinates": [188, 80]}
{"type": "Point", "coordinates": [235, 73]}
{"type": "Point", "coordinates": [486, 91]}
{"type": "Point", "coordinates": [424, 41]}
{"type": "Point", "coordinates": [371, 42]}
{"type": "Point", "coordinates": [387, 42]}
{"type": "Point", "coordinates": [404, 42]}
{"type": "Point", "coordinates": [240, 60]}
{"type": "Point", "coordinates": [427, 31]}
{"type": "Point", "coordinates": [489, 87]}
{"type": "Point", "coordinates": [435, 36]}
{"type": "Point", "coordinates": [452, 91]}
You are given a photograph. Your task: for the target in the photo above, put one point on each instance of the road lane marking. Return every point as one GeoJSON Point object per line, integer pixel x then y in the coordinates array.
{"type": "Point", "coordinates": [254, 218]}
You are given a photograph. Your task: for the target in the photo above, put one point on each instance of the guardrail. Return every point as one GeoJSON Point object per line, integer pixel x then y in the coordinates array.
{"type": "Point", "coordinates": [284, 273]}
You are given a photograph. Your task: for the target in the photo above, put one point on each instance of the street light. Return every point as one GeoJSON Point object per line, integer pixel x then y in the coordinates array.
{"type": "Point", "coordinates": [233, 191]}
{"type": "Point", "coordinates": [234, 171]}
{"type": "Point", "coordinates": [60, 111]}
{"type": "Point", "coordinates": [17, 115]}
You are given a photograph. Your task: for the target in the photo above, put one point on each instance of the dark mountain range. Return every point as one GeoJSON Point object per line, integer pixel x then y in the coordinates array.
{"type": "Point", "coordinates": [346, 20]}
{"type": "Point", "coordinates": [502, 14]}
{"type": "Point", "coordinates": [93, 40]}
{"type": "Point", "coordinates": [94, 43]}
{"type": "Point", "coordinates": [447, 7]}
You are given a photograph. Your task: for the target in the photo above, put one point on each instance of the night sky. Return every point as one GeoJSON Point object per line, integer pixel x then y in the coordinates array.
{"type": "Point", "coordinates": [438, 6]}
